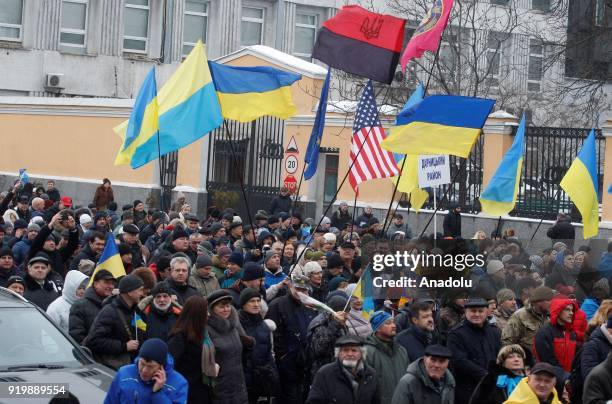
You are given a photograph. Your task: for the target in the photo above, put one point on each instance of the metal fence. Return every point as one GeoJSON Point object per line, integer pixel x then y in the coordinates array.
{"type": "Point", "coordinates": [549, 154]}
{"type": "Point", "coordinates": [252, 152]}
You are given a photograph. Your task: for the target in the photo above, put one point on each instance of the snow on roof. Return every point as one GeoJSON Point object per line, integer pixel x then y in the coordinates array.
{"type": "Point", "coordinates": [277, 57]}
{"type": "Point", "coordinates": [345, 106]}
{"type": "Point", "coordinates": [68, 101]}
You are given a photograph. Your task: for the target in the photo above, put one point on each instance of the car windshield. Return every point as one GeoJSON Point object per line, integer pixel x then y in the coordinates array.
{"type": "Point", "coordinates": [29, 338]}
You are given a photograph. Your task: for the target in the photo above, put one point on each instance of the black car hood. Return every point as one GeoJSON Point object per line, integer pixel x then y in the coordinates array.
{"type": "Point", "coordinates": [88, 383]}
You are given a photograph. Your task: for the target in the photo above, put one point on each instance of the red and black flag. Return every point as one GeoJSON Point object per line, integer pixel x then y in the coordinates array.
{"type": "Point", "coordinates": [361, 42]}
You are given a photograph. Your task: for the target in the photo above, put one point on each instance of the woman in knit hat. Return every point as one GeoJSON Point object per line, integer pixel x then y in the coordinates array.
{"type": "Point", "coordinates": [260, 372]}
{"type": "Point", "coordinates": [503, 376]}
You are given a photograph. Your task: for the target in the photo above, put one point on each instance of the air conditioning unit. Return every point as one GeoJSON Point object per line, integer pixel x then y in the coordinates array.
{"type": "Point", "coordinates": [54, 82]}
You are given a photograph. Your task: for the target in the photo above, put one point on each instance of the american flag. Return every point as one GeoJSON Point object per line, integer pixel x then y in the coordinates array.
{"type": "Point", "coordinates": [372, 162]}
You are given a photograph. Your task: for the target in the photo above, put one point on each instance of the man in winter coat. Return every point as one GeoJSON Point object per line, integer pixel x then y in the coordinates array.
{"type": "Point", "coordinates": [47, 242]}
{"type": "Point", "coordinates": [341, 217]}
{"type": "Point", "coordinates": [21, 249]}
{"type": "Point", "coordinates": [292, 319]}
{"type": "Point", "coordinates": [452, 221]}
{"type": "Point", "coordinates": [115, 335]}
{"type": "Point", "coordinates": [91, 251]}
{"type": "Point", "coordinates": [150, 379]}
{"type": "Point", "coordinates": [452, 312]}
{"type": "Point", "coordinates": [385, 355]}
{"type": "Point", "coordinates": [420, 335]}
{"type": "Point", "coordinates": [281, 202]}
{"type": "Point", "coordinates": [474, 343]}
{"type": "Point", "coordinates": [252, 277]}
{"type": "Point", "coordinates": [562, 230]}
{"type": "Point", "coordinates": [202, 278]}
{"type": "Point", "coordinates": [506, 306]}
{"type": "Point", "coordinates": [525, 322]}
{"type": "Point", "coordinates": [347, 380]}
{"type": "Point", "coordinates": [74, 289]}
{"type": "Point", "coordinates": [428, 379]}
{"type": "Point", "coordinates": [363, 219]}
{"type": "Point", "coordinates": [131, 239]}
{"type": "Point", "coordinates": [161, 312]}
{"type": "Point", "coordinates": [597, 388]}
{"type": "Point", "coordinates": [177, 282]}
{"type": "Point", "coordinates": [397, 224]}
{"type": "Point", "coordinates": [7, 266]}
{"type": "Point", "coordinates": [40, 288]}
{"type": "Point", "coordinates": [323, 332]}
{"type": "Point", "coordinates": [596, 349]}
{"type": "Point", "coordinates": [555, 341]}
{"type": "Point", "coordinates": [537, 388]}
{"type": "Point", "coordinates": [83, 312]}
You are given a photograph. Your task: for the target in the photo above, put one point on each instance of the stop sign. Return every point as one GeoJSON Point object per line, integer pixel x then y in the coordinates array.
{"type": "Point", "coordinates": [291, 183]}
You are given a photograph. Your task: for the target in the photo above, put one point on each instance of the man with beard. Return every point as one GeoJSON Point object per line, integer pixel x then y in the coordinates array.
{"type": "Point", "coordinates": [417, 338]}
{"type": "Point", "coordinates": [337, 382]}
{"type": "Point", "coordinates": [161, 311]}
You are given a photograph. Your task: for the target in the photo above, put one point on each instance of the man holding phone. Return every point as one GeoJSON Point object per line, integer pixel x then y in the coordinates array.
{"type": "Point", "coordinates": [151, 375]}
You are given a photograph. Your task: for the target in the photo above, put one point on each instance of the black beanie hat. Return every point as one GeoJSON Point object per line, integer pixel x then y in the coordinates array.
{"type": "Point", "coordinates": [129, 283]}
{"type": "Point", "coordinates": [247, 294]}
{"type": "Point", "coordinates": [252, 271]}
{"type": "Point", "coordinates": [154, 349]}
{"type": "Point", "coordinates": [178, 233]}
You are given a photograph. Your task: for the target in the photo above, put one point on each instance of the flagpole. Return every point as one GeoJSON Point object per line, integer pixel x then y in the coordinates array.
{"type": "Point", "coordinates": [161, 173]}
{"type": "Point", "coordinates": [353, 218]}
{"type": "Point", "coordinates": [235, 163]}
{"type": "Point", "coordinates": [343, 180]}
{"type": "Point", "coordinates": [393, 196]}
{"type": "Point", "coordinates": [541, 221]}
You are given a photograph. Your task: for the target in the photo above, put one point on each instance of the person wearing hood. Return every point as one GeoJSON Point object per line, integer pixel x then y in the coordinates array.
{"type": "Point", "coordinates": [178, 279]}
{"type": "Point", "coordinates": [150, 379]}
{"type": "Point", "coordinates": [160, 310]}
{"type": "Point", "coordinates": [385, 355]}
{"type": "Point", "coordinates": [228, 337]}
{"type": "Point", "coordinates": [596, 349]}
{"type": "Point", "coordinates": [202, 278]}
{"type": "Point", "coordinates": [537, 388]}
{"type": "Point", "coordinates": [555, 342]}
{"type": "Point", "coordinates": [260, 372]}
{"type": "Point", "coordinates": [452, 221]}
{"type": "Point", "coordinates": [74, 289]}
{"type": "Point", "coordinates": [347, 379]}
{"type": "Point", "coordinates": [324, 330]}
{"type": "Point", "coordinates": [420, 335]}
{"type": "Point", "coordinates": [356, 321]}
{"type": "Point", "coordinates": [474, 343]}
{"type": "Point", "coordinates": [502, 378]}
{"type": "Point", "coordinates": [40, 287]}
{"type": "Point", "coordinates": [427, 380]}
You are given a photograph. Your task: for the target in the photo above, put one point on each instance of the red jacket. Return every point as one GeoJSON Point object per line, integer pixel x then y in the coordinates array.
{"type": "Point", "coordinates": [555, 344]}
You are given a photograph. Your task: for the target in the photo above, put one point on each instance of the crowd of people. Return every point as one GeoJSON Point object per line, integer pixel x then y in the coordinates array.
{"type": "Point", "coordinates": [217, 309]}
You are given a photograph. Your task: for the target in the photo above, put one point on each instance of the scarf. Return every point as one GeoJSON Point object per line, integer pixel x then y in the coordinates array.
{"type": "Point", "coordinates": [209, 370]}
{"type": "Point", "coordinates": [509, 383]}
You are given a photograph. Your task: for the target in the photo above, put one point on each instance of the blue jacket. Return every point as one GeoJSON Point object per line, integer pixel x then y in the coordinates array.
{"type": "Point", "coordinates": [272, 279]}
{"type": "Point", "coordinates": [589, 306]}
{"type": "Point", "coordinates": [21, 249]}
{"type": "Point", "coordinates": [127, 387]}
{"type": "Point", "coordinates": [605, 265]}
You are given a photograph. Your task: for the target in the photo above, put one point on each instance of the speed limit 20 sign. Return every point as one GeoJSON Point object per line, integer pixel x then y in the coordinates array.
{"type": "Point", "coordinates": [291, 164]}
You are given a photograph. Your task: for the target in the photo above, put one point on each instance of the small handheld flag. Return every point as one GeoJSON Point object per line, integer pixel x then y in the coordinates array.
{"type": "Point", "coordinates": [138, 323]}
{"type": "Point", "coordinates": [109, 260]}
{"type": "Point", "coordinates": [499, 197]}
{"type": "Point", "coordinates": [312, 152]}
{"type": "Point", "coordinates": [580, 183]}
{"type": "Point", "coordinates": [23, 176]}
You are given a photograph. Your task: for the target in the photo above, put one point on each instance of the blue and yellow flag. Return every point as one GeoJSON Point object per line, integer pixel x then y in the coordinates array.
{"type": "Point", "coordinates": [365, 292]}
{"type": "Point", "coordinates": [499, 197]}
{"type": "Point", "coordinates": [138, 322]}
{"type": "Point", "coordinates": [441, 124]}
{"type": "Point", "coordinates": [409, 180]}
{"type": "Point", "coordinates": [109, 260]}
{"type": "Point", "coordinates": [314, 144]}
{"type": "Point", "coordinates": [247, 93]}
{"type": "Point", "coordinates": [188, 109]}
{"type": "Point", "coordinates": [580, 183]}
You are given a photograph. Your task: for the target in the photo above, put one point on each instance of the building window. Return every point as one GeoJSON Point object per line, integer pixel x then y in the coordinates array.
{"type": "Point", "coordinates": [447, 59]}
{"type": "Point", "coordinates": [541, 5]}
{"type": "Point", "coordinates": [305, 33]}
{"type": "Point", "coordinates": [251, 28]}
{"type": "Point", "coordinates": [600, 12]}
{"type": "Point", "coordinates": [74, 23]}
{"type": "Point", "coordinates": [11, 14]}
{"type": "Point", "coordinates": [536, 68]}
{"type": "Point", "coordinates": [136, 26]}
{"type": "Point", "coordinates": [195, 23]}
{"type": "Point", "coordinates": [500, 2]}
{"type": "Point", "coordinates": [330, 181]}
{"type": "Point", "coordinates": [494, 57]}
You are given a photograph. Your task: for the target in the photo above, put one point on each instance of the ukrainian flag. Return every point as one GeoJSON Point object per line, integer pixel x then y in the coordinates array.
{"type": "Point", "coordinates": [109, 260]}
{"type": "Point", "coordinates": [365, 292]}
{"type": "Point", "coordinates": [409, 180]}
{"type": "Point", "coordinates": [580, 183]}
{"type": "Point", "coordinates": [441, 124]}
{"type": "Point", "coordinates": [138, 322]}
{"type": "Point", "coordinates": [247, 93]}
{"type": "Point", "coordinates": [187, 107]}
{"type": "Point", "coordinates": [499, 197]}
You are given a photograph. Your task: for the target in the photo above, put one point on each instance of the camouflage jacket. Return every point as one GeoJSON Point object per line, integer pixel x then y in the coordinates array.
{"type": "Point", "coordinates": [522, 327]}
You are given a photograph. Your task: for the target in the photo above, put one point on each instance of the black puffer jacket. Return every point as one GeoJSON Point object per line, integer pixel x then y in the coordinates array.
{"type": "Point", "coordinates": [260, 372]}
{"type": "Point", "coordinates": [414, 340]}
{"type": "Point", "coordinates": [595, 351]}
{"type": "Point", "coordinates": [83, 312]}
{"type": "Point", "coordinates": [597, 388]}
{"type": "Point", "coordinates": [183, 292]}
{"type": "Point", "coordinates": [86, 253]}
{"type": "Point", "coordinates": [230, 387]}
{"type": "Point", "coordinates": [333, 384]}
{"type": "Point", "coordinates": [159, 324]}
